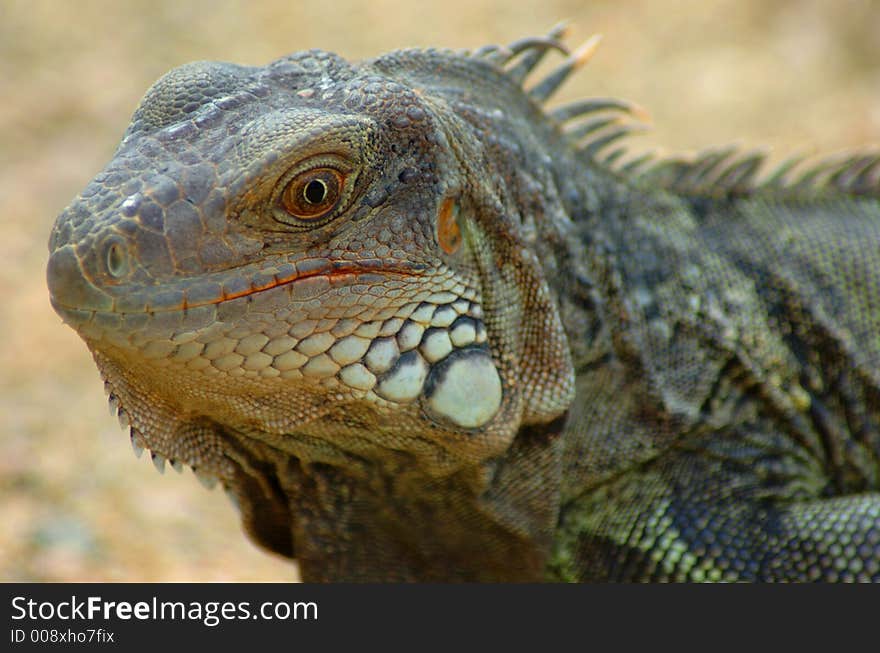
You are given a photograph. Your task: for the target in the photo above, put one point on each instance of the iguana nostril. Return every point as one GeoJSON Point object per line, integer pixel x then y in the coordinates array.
{"type": "Point", "coordinates": [116, 258]}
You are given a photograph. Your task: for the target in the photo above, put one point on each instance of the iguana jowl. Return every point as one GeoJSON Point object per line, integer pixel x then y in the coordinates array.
{"type": "Point", "coordinates": [424, 329]}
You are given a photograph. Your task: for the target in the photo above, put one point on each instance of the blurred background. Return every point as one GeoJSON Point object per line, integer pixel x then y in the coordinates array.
{"type": "Point", "coordinates": [75, 504]}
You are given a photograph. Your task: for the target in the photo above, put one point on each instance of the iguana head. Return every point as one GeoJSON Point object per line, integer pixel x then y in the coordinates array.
{"type": "Point", "coordinates": [320, 250]}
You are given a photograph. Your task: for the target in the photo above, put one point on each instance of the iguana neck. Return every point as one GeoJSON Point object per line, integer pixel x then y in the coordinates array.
{"type": "Point", "coordinates": [426, 528]}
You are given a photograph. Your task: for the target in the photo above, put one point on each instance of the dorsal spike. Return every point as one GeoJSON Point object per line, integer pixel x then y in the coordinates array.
{"type": "Point", "coordinates": [490, 51]}
{"type": "Point", "coordinates": [588, 127]}
{"type": "Point", "coordinates": [779, 177]}
{"type": "Point", "coordinates": [495, 54]}
{"type": "Point", "coordinates": [547, 86]}
{"type": "Point", "coordinates": [810, 176]}
{"type": "Point", "coordinates": [740, 175]}
{"type": "Point", "coordinates": [534, 49]}
{"type": "Point", "coordinates": [700, 170]}
{"type": "Point", "coordinates": [665, 172]}
{"type": "Point", "coordinates": [730, 171]}
{"type": "Point", "coordinates": [593, 146]}
{"type": "Point", "coordinates": [532, 57]}
{"type": "Point", "coordinates": [849, 169]}
{"type": "Point", "coordinates": [540, 44]}
{"type": "Point", "coordinates": [637, 165]}
{"type": "Point", "coordinates": [854, 174]}
{"type": "Point", "coordinates": [867, 182]}
{"type": "Point", "coordinates": [713, 172]}
{"type": "Point", "coordinates": [592, 105]}
{"type": "Point", "coordinates": [614, 156]}
{"type": "Point", "coordinates": [857, 174]}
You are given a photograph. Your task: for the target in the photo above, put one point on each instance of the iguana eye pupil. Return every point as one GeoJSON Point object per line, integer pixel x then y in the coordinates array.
{"type": "Point", "coordinates": [313, 194]}
{"type": "Point", "coordinates": [315, 191]}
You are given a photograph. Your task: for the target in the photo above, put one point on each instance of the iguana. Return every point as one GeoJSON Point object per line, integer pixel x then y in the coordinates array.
{"type": "Point", "coordinates": [424, 328]}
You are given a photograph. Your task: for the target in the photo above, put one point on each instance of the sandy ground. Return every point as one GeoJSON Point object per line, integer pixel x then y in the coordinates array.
{"type": "Point", "coordinates": [74, 502]}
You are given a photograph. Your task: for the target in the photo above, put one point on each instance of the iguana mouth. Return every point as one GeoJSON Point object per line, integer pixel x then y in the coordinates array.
{"type": "Point", "coordinates": [72, 289]}
{"type": "Point", "coordinates": [267, 279]}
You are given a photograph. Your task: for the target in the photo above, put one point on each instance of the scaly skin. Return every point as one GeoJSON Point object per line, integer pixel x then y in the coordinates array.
{"type": "Point", "coordinates": [421, 334]}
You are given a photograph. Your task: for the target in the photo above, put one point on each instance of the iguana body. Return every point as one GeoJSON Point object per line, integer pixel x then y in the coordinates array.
{"type": "Point", "coordinates": [423, 330]}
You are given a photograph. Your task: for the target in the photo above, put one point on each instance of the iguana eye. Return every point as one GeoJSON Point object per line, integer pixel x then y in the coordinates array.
{"type": "Point", "coordinates": [313, 194]}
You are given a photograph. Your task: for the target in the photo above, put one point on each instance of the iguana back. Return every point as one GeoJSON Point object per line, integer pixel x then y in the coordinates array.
{"type": "Point", "coordinates": [423, 328]}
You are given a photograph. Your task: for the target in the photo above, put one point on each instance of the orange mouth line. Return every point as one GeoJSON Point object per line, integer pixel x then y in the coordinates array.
{"type": "Point", "coordinates": [329, 269]}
